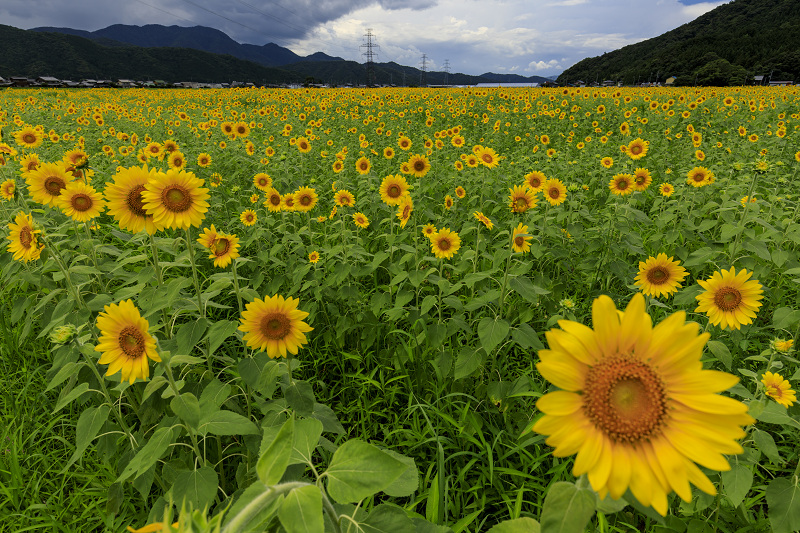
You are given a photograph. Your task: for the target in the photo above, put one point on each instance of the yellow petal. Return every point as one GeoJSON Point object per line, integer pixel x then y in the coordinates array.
{"type": "Point", "coordinates": [620, 471]}
{"type": "Point", "coordinates": [559, 403]}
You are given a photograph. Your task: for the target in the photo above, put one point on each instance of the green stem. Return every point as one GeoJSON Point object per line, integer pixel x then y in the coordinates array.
{"type": "Point", "coordinates": [239, 522]}
{"type": "Point", "coordinates": [441, 277]}
{"type": "Point", "coordinates": [190, 246]}
{"type": "Point", "coordinates": [189, 429]}
{"type": "Point", "coordinates": [741, 220]}
{"type": "Point", "coordinates": [160, 279]}
{"type": "Point", "coordinates": [505, 280]}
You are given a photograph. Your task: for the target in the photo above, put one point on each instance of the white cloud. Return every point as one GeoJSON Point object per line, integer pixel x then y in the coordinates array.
{"type": "Point", "coordinates": [538, 66]}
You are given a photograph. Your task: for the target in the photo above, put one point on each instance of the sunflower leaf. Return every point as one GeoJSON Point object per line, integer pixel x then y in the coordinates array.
{"type": "Point", "coordinates": [567, 508]}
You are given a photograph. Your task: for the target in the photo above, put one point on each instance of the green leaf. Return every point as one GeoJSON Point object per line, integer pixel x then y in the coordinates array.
{"type": "Point", "coordinates": [774, 413]}
{"type": "Point", "coordinates": [152, 386]}
{"type": "Point", "coordinates": [300, 397]}
{"type": "Point", "coordinates": [526, 337]}
{"type": "Point", "coordinates": [89, 423]}
{"type": "Point", "coordinates": [783, 499]}
{"type": "Point", "coordinates": [358, 470]}
{"type": "Point", "coordinates": [525, 287]}
{"type": "Point", "coordinates": [226, 423]}
{"type": "Point", "coordinates": [184, 359]}
{"type": "Point", "coordinates": [492, 332]}
{"type": "Point", "coordinates": [256, 522]}
{"type": "Point", "coordinates": [408, 482]}
{"type": "Point", "coordinates": [190, 334]}
{"type": "Point", "coordinates": [737, 482]}
{"type": "Point", "coordinates": [518, 525]}
{"type": "Point", "coordinates": [330, 422]}
{"type": "Point", "coordinates": [148, 454]}
{"type": "Point", "coordinates": [198, 487]}
{"type": "Point", "coordinates": [766, 444]}
{"type": "Point", "coordinates": [273, 462]}
{"type": "Point", "coordinates": [214, 394]}
{"type": "Point", "coordinates": [567, 508]}
{"type": "Point", "coordinates": [306, 437]}
{"type": "Point", "coordinates": [187, 408]}
{"type": "Point", "coordinates": [301, 511]}
{"type": "Point", "coordinates": [388, 519]}
{"type": "Point", "coordinates": [785, 318]}
{"type": "Point", "coordinates": [468, 361]}
{"type": "Point", "coordinates": [721, 353]}
{"type": "Point", "coordinates": [219, 332]}
{"type": "Point", "coordinates": [70, 396]}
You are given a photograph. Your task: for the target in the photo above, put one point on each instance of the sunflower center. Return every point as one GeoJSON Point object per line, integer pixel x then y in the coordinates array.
{"type": "Point", "coordinates": [176, 198]}
{"type": "Point", "coordinates": [275, 200]}
{"type": "Point", "coordinates": [131, 341]}
{"type": "Point", "coordinates": [406, 211]}
{"type": "Point", "coordinates": [221, 247]}
{"type": "Point", "coordinates": [535, 183]}
{"type": "Point", "coordinates": [444, 244]}
{"type": "Point", "coordinates": [275, 326]}
{"type": "Point", "coordinates": [625, 399]}
{"type": "Point", "coordinates": [521, 203]}
{"type": "Point", "coordinates": [29, 138]}
{"type": "Point", "coordinates": [53, 185]}
{"type": "Point", "coordinates": [554, 193]}
{"type": "Point", "coordinates": [728, 298]}
{"type": "Point", "coordinates": [26, 237]}
{"type": "Point", "coordinates": [305, 200]}
{"type": "Point", "coordinates": [32, 165]}
{"type": "Point", "coordinates": [393, 191]}
{"type": "Point", "coordinates": [519, 240]}
{"type": "Point", "coordinates": [135, 202]}
{"type": "Point", "coordinates": [636, 150]}
{"type": "Point", "coordinates": [698, 177]}
{"type": "Point", "coordinates": [622, 185]}
{"type": "Point", "coordinates": [419, 165]}
{"type": "Point", "coordinates": [658, 275]}
{"type": "Point", "coordinates": [82, 202]}
{"type": "Point", "coordinates": [487, 158]}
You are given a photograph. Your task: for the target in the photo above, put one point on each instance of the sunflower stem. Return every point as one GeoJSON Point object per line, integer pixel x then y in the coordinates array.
{"type": "Point", "coordinates": [441, 277]}
{"type": "Point", "coordinates": [189, 429]}
{"type": "Point", "coordinates": [742, 219]}
{"type": "Point", "coordinates": [94, 257]}
{"type": "Point", "coordinates": [160, 280]}
{"type": "Point", "coordinates": [201, 311]}
{"type": "Point", "coordinates": [505, 278]}
{"type": "Point", "coordinates": [260, 502]}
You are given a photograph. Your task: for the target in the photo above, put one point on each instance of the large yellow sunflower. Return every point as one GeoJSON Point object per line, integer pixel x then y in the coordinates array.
{"type": "Point", "coordinates": [125, 201]}
{"type": "Point", "coordinates": [445, 243]}
{"type": "Point", "coordinates": [635, 404]}
{"type": "Point", "coordinates": [419, 165]}
{"type": "Point", "coordinates": [175, 199]}
{"type": "Point", "coordinates": [535, 180]}
{"type": "Point", "coordinates": [637, 148]}
{"type": "Point", "coordinates": [730, 300]}
{"type": "Point", "coordinates": [305, 199]}
{"type": "Point", "coordinates": [274, 325]}
{"type": "Point", "coordinates": [28, 137]}
{"type": "Point", "coordinates": [660, 275]}
{"type": "Point", "coordinates": [80, 201]}
{"type": "Point", "coordinates": [521, 198]}
{"type": "Point", "coordinates": [520, 239]}
{"type": "Point", "coordinates": [262, 181]}
{"type": "Point", "coordinates": [46, 182]}
{"type": "Point", "coordinates": [24, 239]}
{"type": "Point", "coordinates": [393, 188]}
{"type": "Point", "coordinates": [344, 198]}
{"type": "Point", "coordinates": [124, 341]}
{"type": "Point", "coordinates": [224, 249]}
{"type": "Point", "coordinates": [488, 157]}
{"type": "Point", "coordinates": [7, 189]}
{"type": "Point", "coordinates": [621, 184]}
{"type": "Point", "coordinates": [700, 177]}
{"type": "Point", "coordinates": [554, 191]}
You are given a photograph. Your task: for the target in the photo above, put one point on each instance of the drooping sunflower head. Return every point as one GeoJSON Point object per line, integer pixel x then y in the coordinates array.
{"type": "Point", "coordinates": [486, 221]}
{"type": "Point", "coordinates": [445, 243]}
{"type": "Point", "coordinates": [660, 275]}
{"type": "Point", "coordinates": [124, 341]}
{"type": "Point", "coordinates": [521, 198]}
{"type": "Point", "coordinates": [175, 199]}
{"type": "Point", "coordinates": [404, 210]}
{"type": "Point", "coordinates": [80, 201]}
{"type": "Point", "coordinates": [779, 389]}
{"type": "Point", "coordinates": [730, 300]}
{"type": "Point", "coordinates": [393, 188]}
{"type": "Point", "coordinates": [206, 238]}
{"type": "Point", "coordinates": [24, 245]}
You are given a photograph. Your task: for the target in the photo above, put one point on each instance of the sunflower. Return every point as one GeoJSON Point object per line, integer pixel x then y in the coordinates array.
{"type": "Point", "coordinates": [125, 201]}
{"type": "Point", "coordinates": [521, 198]}
{"type": "Point", "coordinates": [154, 149]}
{"type": "Point", "coordinates": [448, 202]}
{"type": "Point", "coordinates": [428, 230]}
{"type": "Point", "coordinates": [607, 162]}
{"type": "Point", "coordinates": [274, 201]}
{"type": "Point", "coordinates": [241, 129]}
{"type": "Point", "coordinates": [418, 165]}
{"type": "Point", "coordinates": [28, 137]}
{"type": "Point", "coordinates": [124, 341]}
{"type": "Point", "coordinates": [262, 181]}
{"type": "Point", "coordinates": [660, 275]}
{"type": "Point", "coordinates": [520, 239]}
{"type": "Point", "coordinates": [730, 300]}
{"type": "Point", "coordinates": [666, 189]}
{"type": "Point", "coordinates": [80, 201]}
{"type": "Point", "coordinates": [338, 166]}
{"type": "Point", "coordinates": [404, 209]}
{"type": "Point", "coordinates": [700, 177]}
{"type": "Point", "coordinates": [303, 145]}
{"type": "Point", "coordinates": [360, 220]}
{"type": "Point", "coordinates": [29, 163]}
{"type": "Point", "coordinates": [224, 249]}
{"type": "Point", "coordinates": [176, 160]}
{"type": "Point", "coordinates": [460, 192]}
{"type": "Point", "coordinates": [7, 149]}
{"type": "Point", "coordinates": [75, 158]}
{"type": "Point", "coordinates": [457, 141]}
{"type": "Point", "coordinates": [621, 184]}
{"type": "Point", "coordinates": [635, 404]}
{"type": "Point", "coordinates": [388, 152]}
{"type": "Point", "coordinates": [204, 160]}
{"type": "Point", "coordinates": [46, 183]}
{"type": "Point", "coordinates": [305, 198]}
{"type": "Point", "coordinates": [781, 346]}
{"type": "Point", "coordinates": [248, 217]}
{"type": "Point", "coordinates": [7, 189]}
{"type": "Point", "coordinates": [404, 143]}
{"type": "Point", "coordinates": [471, 161]}
{"type": "Point", "coordinates": [641, 179]}
{"type": "Point", "coordinates": [206, 239]}
{"type": "Point", "coordinates": [554, 191]}
{"type": "Point", "coordinates": [393, 188]}
{"type": "Point", "coordinates": [287, 202]}
{"type": "Point", "coordinates": [484, 219]}
{"type": "Point", "coordinates": [488, 157]}
{"type": "Point", "coordinates": [24, 243]}
{"type": "Point", "coordinates": [637, 148]}
{"type": "Point", "coordinates": [535, 180]}
{"type": "Point", "coordinates": [275, 325]}
{"type": "Point", "coordinates": [175, 199]}
{"type": "Point", "coordinates": [363, 165]}
{"type": "Point", "coordinates": [445, 243]}
{"type": "Point", "coordinates": [313, 257]}
{"type": "Point", "coordinates": [344, 198]}
{"type": "Point", "coordinates": [779, 389]}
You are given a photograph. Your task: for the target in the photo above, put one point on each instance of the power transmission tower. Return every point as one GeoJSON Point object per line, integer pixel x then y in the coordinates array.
{"type": "Point", "coordinates": [423, 75]}
{"type": "Point", "coordinates": [446, 69]}
{"type": "Point", "coordinates": [370, 53]}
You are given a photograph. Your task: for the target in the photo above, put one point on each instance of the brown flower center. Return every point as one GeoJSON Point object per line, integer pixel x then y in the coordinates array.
{"type": "Point", "coordinates": [519, 240]}
{"type": "Point", "coordinates": [407, 211]}
{"type": "Point", "coordinates": [275, 200]}
{"type": "Point", "coordinates": [82, 202]}
{"type": "Point", "coordinates": [290, 202]}
{"type": "Point", "coordinates": [535, 183]}
{"type": "Point", "coordinates": [131, 341]}
{"type": "Point", "coordinates": [554, 193]}
{"type": "Point", "coordinates": [622, 185]}
{"type": "Point", "coordinates": [275, 326]}
{"type": "Point", "coordinates": [221, 246]}
{"type": "Point", "coordinates": [26, 237]}
{"type": "Point", "coordinates": [305, 200]}
{"type": "Point", "coordinates": [135, 202]}
{"type": "Point", "coordinates": [444, 244]}
{"type": "Point", "coordinates": [176, 198]}
{"type": "Point", "coordinates": [487, 158]}
{"type": "Point", "coordinates": [29, 138]}
{"type": "Point", "coordinates": [698, 177]}
{"type": "Point", "coordinates": [53, 185]}
{"type": "Point", "coordinates": [419, 165]}
{"type": "Point", "coordinates": [727, 298]}
{"type": "Point", "coordinates": [625, 399]}
{"type": "Point", "coordinates": [393, 191]}
{"type": "Point", "coordinates": [636, 149]}
{"type": "Point", "coordinates": [657, 275]}
{"type": "Point", "coordinates": [521, 204]}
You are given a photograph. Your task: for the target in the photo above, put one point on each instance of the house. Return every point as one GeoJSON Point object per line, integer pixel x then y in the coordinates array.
{"type": "Point", "coordinates": [20, 81]}
{"type": "Point", "coordinates": [506, 85]}
{"type": "Point", "coordinates": [609, 83]}
{"type": "Point", "coordinates": [780, 83]}
{"type": "Point", "coordinates": [759, 80]}
{"type": "Point", "coordinates": [127, 84]}
{"type": "Point", "coordinates": [48, 81]}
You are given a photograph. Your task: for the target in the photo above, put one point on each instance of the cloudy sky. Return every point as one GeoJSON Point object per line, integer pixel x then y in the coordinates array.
{"type": "Point", "coordinates": [526, 37]}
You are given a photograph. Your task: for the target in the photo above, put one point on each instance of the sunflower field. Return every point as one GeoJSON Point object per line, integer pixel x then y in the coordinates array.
{"type": "Point", "coordinates": [400, 310]}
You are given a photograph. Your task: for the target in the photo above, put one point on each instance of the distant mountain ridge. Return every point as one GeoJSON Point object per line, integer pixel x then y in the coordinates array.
{"type": "Point", "coordinates": [195, 37]}
{"type": "Point", "coordinates": [729, 45]}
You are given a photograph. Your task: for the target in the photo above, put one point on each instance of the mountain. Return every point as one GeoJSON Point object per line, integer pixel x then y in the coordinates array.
{"type": "Point", "coordinates": [726, 46]}
{"type": "Point", "coordinates": [515, 78]}
{"type": "Point", "coordinates": [196, 37]}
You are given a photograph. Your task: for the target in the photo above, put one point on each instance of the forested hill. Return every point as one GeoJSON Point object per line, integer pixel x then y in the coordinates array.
{"type": "Point", "coordinates": [726, 46]}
